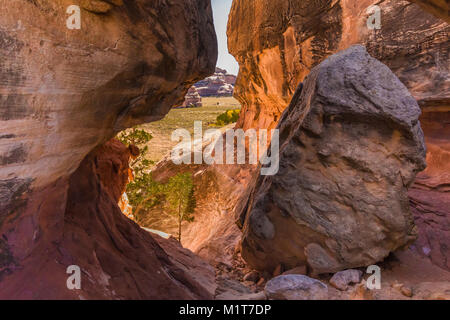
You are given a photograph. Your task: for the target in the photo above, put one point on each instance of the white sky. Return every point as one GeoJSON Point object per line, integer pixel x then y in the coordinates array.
{"type": "Point", "coordinates": [221, 9]}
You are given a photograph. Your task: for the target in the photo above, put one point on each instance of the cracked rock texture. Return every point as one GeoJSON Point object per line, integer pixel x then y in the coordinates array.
{"type": "Point", "coordinates": [440, 8]}
{"type": "Point", "coordinates": [277, 43]}
{"type": "Point", "coordinates": [430, 194]}
{"type": "Point", "coordinates": [65, 92]}
{"type": "Point", "coordinates": [351, 145]}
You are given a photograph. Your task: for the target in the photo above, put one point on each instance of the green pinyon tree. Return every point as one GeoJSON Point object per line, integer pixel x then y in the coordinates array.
{"type": "Point", "coordinates": [143, 192]}
{"type": "Point", "coordinates": [138, 138]}
{"type": "Point", "coordinates": [180, 198]}
{"type": "Point", "coordinates": [175, 198]}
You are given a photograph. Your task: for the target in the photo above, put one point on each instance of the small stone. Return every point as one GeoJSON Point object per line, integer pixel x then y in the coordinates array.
{"type": "Point", "coordinates": [439, 296]}
{"type": "Point", "coordinates": [406, 291]}
{"type": "Point", "coordinates": [361, 292]}
{"type": "Point", "coordinates": [253, 296]}
{"type": "Point", "coordinates": [252, 276]}
{"type": "Point", "coordinates": [396, 285]}
{"type": "Point", "coordinates": [298, 270]}
{"type": "Point", "coordinates": [296, 287]}
{"type": "Point", "coordinates": [260, 282]}
{"type": "Point", "coordinates": [342, 279]}
{"type": "Point", "coordinates": [277, 271]}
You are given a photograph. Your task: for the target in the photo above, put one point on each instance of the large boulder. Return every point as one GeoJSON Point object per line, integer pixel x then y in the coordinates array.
{"type": "Point", "coordinates": [278, 42]}
{"type": "Point", "coordinates": [343, 279]}
{"type": "Point", "coordinates": [65, 92]}
{"type": "Point", "coordinates": [351, 145]}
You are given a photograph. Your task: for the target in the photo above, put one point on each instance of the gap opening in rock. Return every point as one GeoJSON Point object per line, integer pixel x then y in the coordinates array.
{"type": "Point", "coordinates": [148, 198]}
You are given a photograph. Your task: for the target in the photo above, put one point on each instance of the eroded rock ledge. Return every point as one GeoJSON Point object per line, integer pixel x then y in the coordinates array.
{"type": "Point", "coordinates": [277, 43]}
{"type": "Point", "coordinates": [118, 259]}
{"type": "Point", "coordinates": [440, 8]}
{"type": "Point", "coordinates": [351, 145]}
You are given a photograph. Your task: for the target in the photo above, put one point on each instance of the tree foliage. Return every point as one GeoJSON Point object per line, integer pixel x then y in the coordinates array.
{"type": "Point", "coordinates": [134, 136]}
{"type": "Point", "coordinates": [229, 116]}
{"type": "Point", "coordinates": [176, 197]}
{"type": "Point", "coordinates": [180, 198]}
{"type": "Point", "coordinates": [138, 138]}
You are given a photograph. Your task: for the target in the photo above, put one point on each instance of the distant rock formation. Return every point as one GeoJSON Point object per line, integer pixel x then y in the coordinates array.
{"type": "Point", "coordinates": [351, 146]}
{"type": "Point", "coordinates": [192, 99]}
{"type": "Point", "coordinates": [221, 84]}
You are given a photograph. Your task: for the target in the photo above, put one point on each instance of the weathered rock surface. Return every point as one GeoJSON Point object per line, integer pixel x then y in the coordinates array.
{"type": "Point", "coordinates": [113, 73]}
{"type": "Point", "coordinates": [351, 145]}
{"type": "Point", "coordinates": [342, 279]}
{"type": "Point", "coordinates": [277, 43]}
{"type": "Point", "coordinates": [432, 291]}
{"type": "Point", "coordinates": [440, 8]}
{"type": "Point", "coordinates": [132, 266]}
{"type": "Point", "coordinates": [64, 92]}
{"type": "Point", "coordinates": [430, 194]}
{"type": "Point", "coordinates": [296, 287]}
{"type": "Point", "coordinates": [229, 289]}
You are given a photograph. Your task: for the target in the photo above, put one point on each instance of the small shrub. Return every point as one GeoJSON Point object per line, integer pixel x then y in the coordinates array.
{"type": "Point", "coordinates": [229, 116]}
